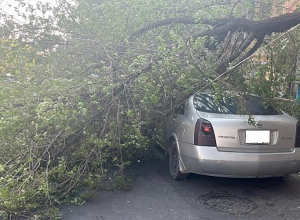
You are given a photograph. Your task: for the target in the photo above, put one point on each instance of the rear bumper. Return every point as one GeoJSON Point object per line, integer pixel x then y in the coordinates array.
{"type": "Point", "coordinates": [210, 161]}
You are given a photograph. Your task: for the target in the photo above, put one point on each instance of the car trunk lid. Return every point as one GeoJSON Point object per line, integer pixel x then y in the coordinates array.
{"type": "Point", "coordinates": [266, 133]}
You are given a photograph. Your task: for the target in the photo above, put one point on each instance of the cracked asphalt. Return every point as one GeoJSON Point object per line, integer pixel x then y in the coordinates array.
{"type": "Point", "coordinates": [155, 195]}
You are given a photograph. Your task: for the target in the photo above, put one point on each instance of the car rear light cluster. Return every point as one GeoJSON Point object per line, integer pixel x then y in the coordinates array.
{"type": "Point", "coordinates": [204, 133]}
{"type": "Point", "coordinates": [297, 144]}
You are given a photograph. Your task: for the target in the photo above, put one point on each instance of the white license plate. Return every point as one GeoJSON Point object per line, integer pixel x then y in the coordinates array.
{"type": "Point", "coordinates": [257, 137]}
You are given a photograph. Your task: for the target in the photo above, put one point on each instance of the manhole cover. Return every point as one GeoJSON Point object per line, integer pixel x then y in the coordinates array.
{"type": "Point", "coordinates": [226, 203]}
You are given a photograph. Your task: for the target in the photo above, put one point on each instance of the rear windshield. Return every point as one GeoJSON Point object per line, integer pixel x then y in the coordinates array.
{"type": "Point", "coordinates": [251, 105]}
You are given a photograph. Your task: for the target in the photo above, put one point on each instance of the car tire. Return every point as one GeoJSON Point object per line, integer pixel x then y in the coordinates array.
{"type": "Point", "coordinates": [174, 163]}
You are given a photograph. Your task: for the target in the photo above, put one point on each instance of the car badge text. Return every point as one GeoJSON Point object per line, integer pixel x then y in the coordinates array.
{"type": "Point", "coordinates": [259, 124]}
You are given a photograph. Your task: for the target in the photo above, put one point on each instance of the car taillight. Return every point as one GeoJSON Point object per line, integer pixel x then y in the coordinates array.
{"type": "Point", "coordinates": [204, 133]}
{"type": "Point", "coordinates": [297, 144]}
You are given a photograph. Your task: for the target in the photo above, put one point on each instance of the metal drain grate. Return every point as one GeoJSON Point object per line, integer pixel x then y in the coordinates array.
{"type": "Point", "coordinates": [226, 203]}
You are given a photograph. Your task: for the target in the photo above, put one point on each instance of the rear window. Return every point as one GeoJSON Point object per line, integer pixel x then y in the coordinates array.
{"type": "Point", "coordinates": [251, 105]}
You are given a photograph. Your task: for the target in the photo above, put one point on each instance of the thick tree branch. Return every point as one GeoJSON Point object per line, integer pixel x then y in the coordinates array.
{"type": "Point", "coordinates": [265, 27]}
{"type": "Point", "coordinates": [222, 27]}
{"type": "Point", "coordinates": [259, 42]}
{"type": "Point", "coordinates": [183, 20]}
{"type": "Point", "coordinates": [245, 45]}
{"type": "Point", "coordinates": [257, 28]}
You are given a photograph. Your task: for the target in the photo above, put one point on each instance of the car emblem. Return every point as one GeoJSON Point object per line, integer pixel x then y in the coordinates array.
{"type": "Point", "coordinates": [259, 124]}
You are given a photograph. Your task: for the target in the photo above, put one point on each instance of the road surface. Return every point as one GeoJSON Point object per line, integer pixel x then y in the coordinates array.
{"type": "Point", "coordinates": [154, 195]}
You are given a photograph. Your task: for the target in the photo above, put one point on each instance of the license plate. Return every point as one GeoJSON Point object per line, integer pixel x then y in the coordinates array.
{"type": "Point", "coordinates": [257, 137]}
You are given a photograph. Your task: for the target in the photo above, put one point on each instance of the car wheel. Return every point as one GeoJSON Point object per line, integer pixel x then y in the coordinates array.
{"type": "Point", "coordinates": [174, 163]}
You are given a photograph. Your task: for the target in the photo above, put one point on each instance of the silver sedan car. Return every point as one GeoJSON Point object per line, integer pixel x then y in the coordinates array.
{"type": "Point", "coordinates": [231, 137]}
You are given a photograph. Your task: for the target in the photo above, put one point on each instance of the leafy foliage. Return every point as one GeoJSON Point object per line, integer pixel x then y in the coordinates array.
{"type": "Point", "coordinates": [80, 100]}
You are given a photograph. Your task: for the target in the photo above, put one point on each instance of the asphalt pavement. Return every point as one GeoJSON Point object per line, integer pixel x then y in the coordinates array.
{"type": "Point", "coordinates": [155, 195]}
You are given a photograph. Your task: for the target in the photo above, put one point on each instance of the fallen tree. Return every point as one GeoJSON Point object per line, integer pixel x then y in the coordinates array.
{"type": "Point", "coordinates": [94, 97]}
